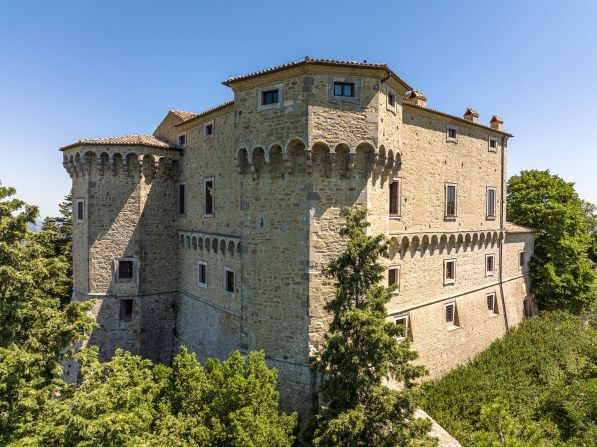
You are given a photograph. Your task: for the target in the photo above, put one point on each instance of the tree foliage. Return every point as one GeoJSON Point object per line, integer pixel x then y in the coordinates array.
{"type": "Point", "coordinates": [562, 273]}
{"type": "Point", "coordinates": [590, 210]}
{"type": "Point", "coordinates": [537, 386]}
{"type": "Point", "coordinates": [361, 352]}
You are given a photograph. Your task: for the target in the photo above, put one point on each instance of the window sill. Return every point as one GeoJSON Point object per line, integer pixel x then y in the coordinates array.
{"type": "Point", "coordinates": [208, 215]}
{"type": "Point", "coordinates": [492, 315]}
{"type": "Point", "coordinates": [395, 216]}
{"type": "Point", "coordinates": [450, 218]}
{"type": "Point", "coordinates": [489, 275]}
{"type": "Point", "coordinates": [490, 218]}
{"type": "Point", "coordinates": [202, 286]}
{"type": "Point", "coordinates": [449, 283]}
{"type": "Point", "coordinates": [453, 328]}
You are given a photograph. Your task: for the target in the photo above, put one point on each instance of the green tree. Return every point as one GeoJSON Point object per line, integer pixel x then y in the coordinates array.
{"type": "Point", "coordinates": [590, 210]}
{"type": "Point", "coordinates": [35, 329]}
{"type": "Point", "coordinates": [562, 273]}
{"type": "Point", "coordinates": [362, 351]}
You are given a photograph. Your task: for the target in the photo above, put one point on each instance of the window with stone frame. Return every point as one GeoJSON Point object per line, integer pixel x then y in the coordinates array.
{"type": "Point", "coordinates": [521, 260]}
{"type": "Point", "coordinates": [344, 89]}
{"type": "Point", "coordinates": [491, 300]}
{"type": "Point", "coordinates": [229, 281]}
{"type": "Point", "coordinates": [491, 202]}
{"type": "Point", "coordinates": [449, 271]}
{"type": "Point", "coordinates": [80, 210]}
{"type": "Point", "coordinates": [395, 198]}
{"type": "Point", "coordinates": [493, 144]}
{"type": "Point", "coordinates": [209, 194]}
{"type": "Point", "coordinates": [451, 315]}
{"type": "Point", "coordinates": [451, 201]}
{"type": "Point", "coordinates": [126, 309]}
{"type": "Point", "coordinates": [182, 139]}
{"type": "Point", "coordinates": [404, 322]}
{"type": "Point", "coordinates": [489, 264]}
{"type": "Point", "coordinates": [209, 130]}
{"type": "Point", "coordinates": [126, 270]}
{"type": "Point", "coordinates": [394, 277]}
{"type": "Point", "coordinates": [269, 97]}
{"type": "Point", "coordinates": [202, 274]}
{"type": "Point", "coordinates": [451, 134]}
{"type": "Point", "coordinates": [182, 200]}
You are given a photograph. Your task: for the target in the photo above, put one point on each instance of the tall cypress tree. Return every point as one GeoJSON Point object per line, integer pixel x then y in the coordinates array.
{"type": "Point", "coordinates": [362, 351]}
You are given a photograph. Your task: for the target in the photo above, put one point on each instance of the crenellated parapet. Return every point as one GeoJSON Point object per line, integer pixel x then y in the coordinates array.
{"type": "Point", "coordinates": [439, 242]}
{"type": "Point", "coordinates": [149, 163]}
{"type": "Point", "coordinates": [340, 159]}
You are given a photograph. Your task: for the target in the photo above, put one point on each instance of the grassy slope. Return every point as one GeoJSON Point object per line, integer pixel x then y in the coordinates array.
{"type": "Point", "coordinates": [545, 369]}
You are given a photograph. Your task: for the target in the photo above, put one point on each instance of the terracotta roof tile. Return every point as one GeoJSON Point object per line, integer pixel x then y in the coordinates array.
{"type": "Point", "coordinates": [208, 111]}
{"type": "Point", "coordinates": [183, 115]}
{"type": "Point", "coordinates": [513, 228]}
{"type": "Point", "coordinates": [125, 140]}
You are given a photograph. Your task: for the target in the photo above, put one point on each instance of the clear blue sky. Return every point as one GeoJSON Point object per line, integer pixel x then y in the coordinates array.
{"type": "Point", "coordinates": [77, 69]}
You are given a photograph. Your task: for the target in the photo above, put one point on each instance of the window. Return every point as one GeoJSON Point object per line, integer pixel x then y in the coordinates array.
{"type": "Point", "coordinates": [452, 134]}
{"type": "Point", "coordinates": [202, 274]}
{"type": "Point", "coordinates": [450, 211]}
{"type": "Point", "coordinates": [344, 89]}
{"type": "Point", "coordinates": [449, 271]}
{"type": "Point", "coordinates": [126, 310]}
{"type": "Point", "coordinates": [394, 277]}
{"type": "Point", "coordinates": [491, 303]}
{"type": "Point", "coordinates": [395, 198]}
{"type": "Point", "coordinates": [451, 315]}
{"type": "Point", "coordinates": [125, 270]}
{"type": "Point", "coordinates": [181, 199]}
{"type": "Point", "coordinates": [489, 264]}
{"type": "Point", "coordinates": [269, 97]}
{"type": "Point", "coordinates": [492, 145]}
{"type": "Point", "coordinates": [403, 322]}
{"type": "Point", "coordinates": [490, 203]}
{"type": "Point", "coordinates": [208, 130]}
{"type": "Point", "coordinates": [80, 211]}
{"type": "Point", "coordinates": [229, 280]}
{"type": "Point", "coordinates": [391, 99]}
{"type": "Point", "coordinates": [209, 197]}
{"type": "Point", "coordinates": [182, 139]}
{"type": "Point", "coordinates": [521, 260]}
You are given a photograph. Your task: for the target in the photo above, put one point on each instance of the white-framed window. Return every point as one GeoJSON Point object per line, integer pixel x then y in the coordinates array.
{"type": "Point", "coordinates": [492, 144]}
{"type": "Point", "coordinates": [449, 271]}
{"type": "Point", "coordinates": [126, 270]}
{"type": "Point", "coordinates": [209, 203]}
{"type": "Point", "coordinates": [391, 100]}
{"type": "Point", "coordinates": [202, 274]}
{"type": "Point", "coordinates": [491, 202]}
{"type": "Point", "coordinates": [395, 197]}
{"type": "Point", "coordinates": [451, 134]}
{"type": "Point", "coordinates": [209, 129]}
{"type": "Point", "coordinates": [181, 139]}
{"type": "Point", "coordinates": [79, 210]}
{"type": "Point", "coordinates": [229, 281]}
{"type": "Point", "coordinates": [451, 315]}
{"type": "Point", "coordinates": [451, 202]}
{"type": "Point", "coordinates": [521, 260]}
{"type": "Point", "coordinates": [404, 322]}
{"type": "Point", "coordinates": [394, 277]}
{"type": "Point", "coordinates": [182, 198]}
{"type": "Point", "coordinates": [489, 264]}
{"type": "Point", "coordinates": [491, 301]}
{"type": "Point", "coordinates": [269, 97]}
{"type": "Point", "coordinates": [126, 309]}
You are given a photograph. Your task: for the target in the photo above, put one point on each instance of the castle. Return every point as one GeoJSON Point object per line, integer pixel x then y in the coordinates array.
{"type": "Point", "coordinates": [213, 231]}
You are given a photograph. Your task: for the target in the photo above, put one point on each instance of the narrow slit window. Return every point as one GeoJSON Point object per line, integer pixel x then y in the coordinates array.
{"type": "Point", "coordinates": [181, 199]}
{"type": "Point", "coordinates": [344, 89]}
{"type": "Point", "coordinates": [521, 260]}
{"type": "Point", "coordinates": [489, 264]}
{"type": "Point", "coordinates": [202, 274]}
{"type": "Point", "coordinates": [395, 198]}
{"type": "Point", "coordinates": [80, 211]}
{"type": "Point", "coordinates": [269, 97]}
{"type": "Point", "coordinates": [450, 201]}
{"type": "Point", "coordinates": [229, 281]}
{"type": "Point", "coordinates": [126, 310]}
{"type": "Point", "coordinates": [209, 197]}
{"type": "Point", "coordinates": [490, 203]}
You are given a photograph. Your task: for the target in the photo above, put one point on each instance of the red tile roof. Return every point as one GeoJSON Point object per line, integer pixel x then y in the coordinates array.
{"type": "Point", "coordinates": [513, 228]}
{"type": "Point", "coordinates": [208, 111]}
{"type": "Point", "coordinates": [125, 140]}
{"type": "Point", "coordinates": [183, 115]}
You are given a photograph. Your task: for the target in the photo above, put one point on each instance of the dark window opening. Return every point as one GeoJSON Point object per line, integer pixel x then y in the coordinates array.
{"type": "Point", "coordinates": [450, 314]}
{"type": "Point", "coordinates": [491, 203]}
{"type": "Point", "coordinates": [209, 197]}
{"type": "Point", "coordinates": [452, 133]}
{"type": "Point", "coordinates": [391, 99]}
{"type": "Point", "coordinates": [182, 140]}
{"type": "Point", "coordinates": [181, 199]}
{"type": "Point", "coordinates": [125, 269]}
{"type": "Point", "coordinates": [126, 310]}
{"type": "Point", "coordinates": [202, 274]}
{"type": "Point", "coordinates": [451, 201]}
{"type": "Point", "coordinates": [489, 261]}
{"type": "Point", "coordinates": [403, 322]}
{"type": "Point", "coordinates": [491, 302]}
{"type": "Point", "coordinates": [344, 89]}
{"type": "Point", "coordinates": [229, 281]}
{"type": "Point", "coordinates": [209, 130]}
{"type": "Point", "coordinates": [269, 97]}
{"type": "Point", "coordinates": [393, 276]}
{"type": "Point", "coordinates": [451, 270]}
{"type": "Point", "coordinates": [394, 198]}
{"type": "Point", "coordinates": [493, 144]}
{"type": "Point", "coordinates": [80, 210]}
{"type": "Point", "coordinates": [521, 259]}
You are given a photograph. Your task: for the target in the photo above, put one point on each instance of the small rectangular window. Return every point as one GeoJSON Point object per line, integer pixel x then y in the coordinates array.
{"type": "Point", "coordinates": [208, 130]}
{"type": "Point", "coordinates": [394, 276]}
{"type": "Point", "coordinates": [395, 198]}
{"type": "Point", "coordinates": [126, 310]}
{"type": "Point", "coordinates": [269, 97]}
{"type": "Point", "coordinates": [202, 274]}
{"type": "Point", "coordinates": [344, 89]}
{"type": "Point", "coordinates": [491, 203]}
{"type": "Point", "coordinates": [492, 145]}
{"type": "Point", "coordinates": [451, 316]}
{"type": "Point", "coordinates": [181, 199]}
{"type": "Point", "coordinates": [80, 211]}
{"type": "Point", "coordinates": [229, 280]}
{"type": "Point", "coordinates": [391, 99]}
{"type": "Point", "coordinates": [452, 134]}
{"type": "Point", "coordinates": [450, 211]}
{"type": "Point", "coordinates": [491, 303]}
{"type": "Point", "coordinates": [125, 269]}
{"type": "Point", "coordinates": [489, 264]}
{"type": "Point", "coordinates": [403, 322]}
{"type": "Point", "coordinates": [182, 140]}
{"type": "Point", "coordinates": [449, 271]}
{"type": "Point", "coordinates": [521, 260]}
{"type": "Point", "coordinates": [209, 197]}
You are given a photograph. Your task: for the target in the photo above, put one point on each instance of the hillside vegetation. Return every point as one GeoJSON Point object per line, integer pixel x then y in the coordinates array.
{"type": "Point", "coordinates": [537, 386]}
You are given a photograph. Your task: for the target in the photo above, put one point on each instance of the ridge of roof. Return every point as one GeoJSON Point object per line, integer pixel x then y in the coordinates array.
{"type": "Point", "coordinates": [514, 228]}
{"type": "Point", "coordinates": [183, 115]}
{"type": "Point", "coordinates": [458, 118]}
{"type": "Point", "coordinates": [125, 140]}
{"type": "Point", "coordinates": [207, 112]}
{"type": "Point", "coordinates": [315, 61]}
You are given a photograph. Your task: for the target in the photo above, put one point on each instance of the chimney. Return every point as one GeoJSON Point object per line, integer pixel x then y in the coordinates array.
{"type": "Point", "coordinates": [471, 115]}
{"type": "Point", "coordinates": [496, 123]}
{"type": "Point", "coordinates": [416, 97]}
